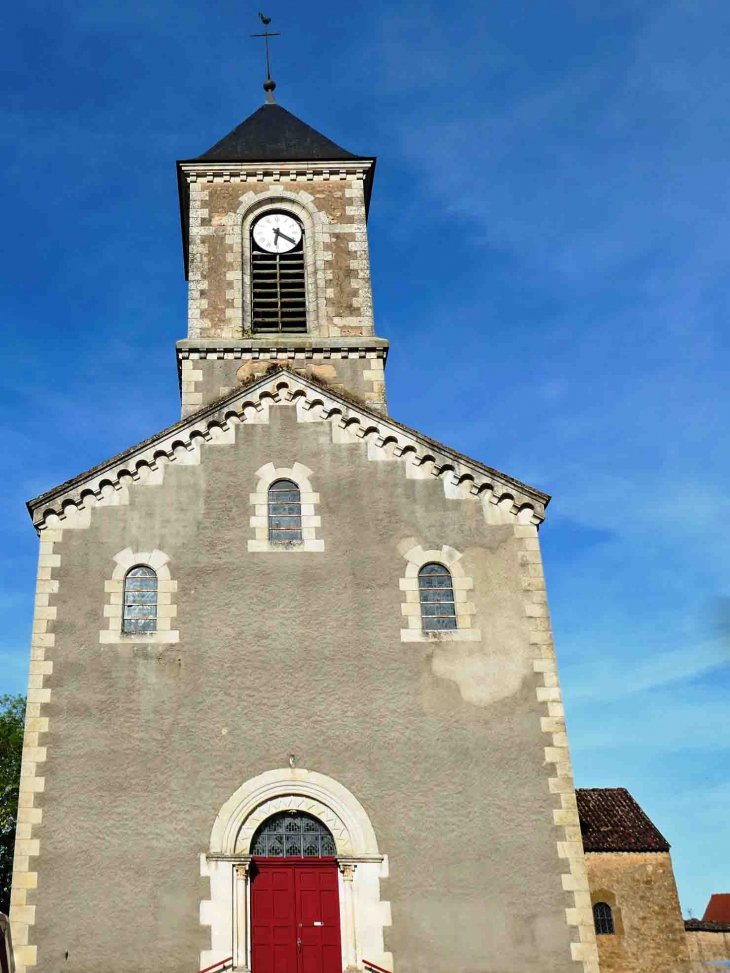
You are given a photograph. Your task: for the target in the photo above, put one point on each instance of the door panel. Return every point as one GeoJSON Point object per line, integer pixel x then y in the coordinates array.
{"type": "Point", "coordinates": [295, 900]}
{"type": "Point", "coordinates": [273, 921]}
{"type": "Point", "coordinates": [318, 907]}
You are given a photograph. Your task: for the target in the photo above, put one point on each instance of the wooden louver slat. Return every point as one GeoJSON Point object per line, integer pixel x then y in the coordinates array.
{"type": "Point", "coordinates": [279, 296]}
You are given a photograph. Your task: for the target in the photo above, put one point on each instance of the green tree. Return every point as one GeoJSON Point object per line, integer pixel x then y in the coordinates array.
{"type": "Point", "coordinates": [12, 720]}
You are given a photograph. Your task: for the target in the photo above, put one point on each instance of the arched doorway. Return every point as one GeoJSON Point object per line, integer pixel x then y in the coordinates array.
{"type": "Point", "coordinates": [295, 906]}
{"type": "Point", "coordinates": [229, 862]}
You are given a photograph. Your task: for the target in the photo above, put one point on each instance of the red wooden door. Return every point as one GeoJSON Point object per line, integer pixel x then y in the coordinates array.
{"type": "Point", "coordinates": [318, 914]}
{"type": "Point", "coordinates": [295, 916]}
{"type": "Point", "coordinates": [273, 921]}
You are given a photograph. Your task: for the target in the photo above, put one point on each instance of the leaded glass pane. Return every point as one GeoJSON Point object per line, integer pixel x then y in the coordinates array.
{"type": "Point", "coordinates": [439, 624]}
{"type": "Point", "coordinates": [436, 592]}
{"type": "Point", "coordinates": [436, 596]}
{"type": "Point", "coordinates": [436, 610]}
{"type": "Point", "coordinates": [435, 581]}
{"type": "Point", "coordinates": [603, 919]}
{"type": "Point", "coordinates": [142, 572]}
{"type": "Point", "coordinates": [293, 834]}
{"type": "Point", "coordinates": [140, 600]}
{"type": "Point", "coordinates": [285, 512]}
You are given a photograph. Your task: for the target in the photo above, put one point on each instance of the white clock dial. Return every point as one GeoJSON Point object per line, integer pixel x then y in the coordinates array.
{"type": "Point", "coordinates": [277, 233]}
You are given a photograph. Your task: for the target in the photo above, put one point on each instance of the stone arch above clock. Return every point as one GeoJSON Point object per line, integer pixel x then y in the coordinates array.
{"type": "Point", "coordinates": [274, 160]}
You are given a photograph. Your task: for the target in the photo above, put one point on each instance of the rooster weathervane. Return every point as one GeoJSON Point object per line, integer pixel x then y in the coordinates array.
{"type": "Point", "coordinates": [269, 85]}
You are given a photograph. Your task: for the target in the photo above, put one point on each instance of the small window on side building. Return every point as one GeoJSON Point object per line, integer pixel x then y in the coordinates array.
{"type": "Point", "coordinates": [603, 919]}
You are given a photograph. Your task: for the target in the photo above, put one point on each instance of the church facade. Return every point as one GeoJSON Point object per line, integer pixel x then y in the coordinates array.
{"type": "Point", "coordinates": [293, 702]}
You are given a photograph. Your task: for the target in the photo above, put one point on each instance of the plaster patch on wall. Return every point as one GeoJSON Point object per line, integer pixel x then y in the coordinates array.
{"type": "Point", "coordinates": [482, 676]}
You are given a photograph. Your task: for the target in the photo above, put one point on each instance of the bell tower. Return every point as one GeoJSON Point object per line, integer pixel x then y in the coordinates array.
{"type": "Point", "coordinates": [274, 228]}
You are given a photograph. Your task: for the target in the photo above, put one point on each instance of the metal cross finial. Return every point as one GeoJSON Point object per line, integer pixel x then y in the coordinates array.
{"type": "Point", "coordinates": [269, 85]}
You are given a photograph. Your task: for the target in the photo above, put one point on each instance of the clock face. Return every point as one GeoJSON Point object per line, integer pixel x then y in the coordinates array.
{"type": "Point", "coordinates": [277, 233]}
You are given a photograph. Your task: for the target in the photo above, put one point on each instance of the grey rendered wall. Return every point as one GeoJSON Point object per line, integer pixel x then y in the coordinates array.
{"type": "Point", "coordinates": [301, 654]}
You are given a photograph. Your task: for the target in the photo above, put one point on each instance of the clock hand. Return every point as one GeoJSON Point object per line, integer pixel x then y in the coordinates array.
{"type": "Point", "coordinates": [293, 242]}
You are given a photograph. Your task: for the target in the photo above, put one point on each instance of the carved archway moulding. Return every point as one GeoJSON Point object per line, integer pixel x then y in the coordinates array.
{"type": "Point", "coordinates": [303, 790]}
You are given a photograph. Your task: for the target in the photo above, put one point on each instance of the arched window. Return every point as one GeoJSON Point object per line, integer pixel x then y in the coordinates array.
{"type": "Point", "coordinates": [285, 511]}
{"type": "Point", "coordinates": [436, 589]}
{"type": "Point", "coordinates": [603, 919]}
{"type": "Point", "coordinates": [140, 600]}
{"type": "Point", "coordinates": [278, 292]}
{"type": "Point", "coordinates": [293, 834]}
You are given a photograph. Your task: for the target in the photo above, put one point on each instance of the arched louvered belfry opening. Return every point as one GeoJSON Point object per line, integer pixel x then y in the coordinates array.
{"type": "Point", "coordinates": [278, 275]}
{"type": "Point", "coordinates": [603, 919]}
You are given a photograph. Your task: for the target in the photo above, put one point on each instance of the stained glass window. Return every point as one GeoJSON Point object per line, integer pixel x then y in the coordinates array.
{"type": "Point", "coordinates": [285, 512]}
{"type": "Point", "coordinates": [140, 601]}
{"type": "Point", "coordinates": [293, 834]}
{"type": "Point", "coordinates": [436, 589]}
{"type": "Point", "coordinates": [603, 919]}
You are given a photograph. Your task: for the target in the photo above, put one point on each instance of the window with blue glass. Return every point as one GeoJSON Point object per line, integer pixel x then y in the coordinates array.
{"type": "Point", "coordinates": [285, 512]}
{"type": "Point", "coordinates": [140, 600]}
{"type": "Point", "coordinates": [436, 590]}
{"type": "Point", "coordinates": [293, 834]}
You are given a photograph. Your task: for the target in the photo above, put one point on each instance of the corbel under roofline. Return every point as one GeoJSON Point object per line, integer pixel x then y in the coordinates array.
{"type": "Point", "coordinates": [198, 425]}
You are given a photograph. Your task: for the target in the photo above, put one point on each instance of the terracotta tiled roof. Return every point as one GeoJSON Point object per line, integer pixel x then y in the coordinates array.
{"type": "Point", "coordinates": [718, 908]}
{"type": "Point", "coordinates": [611, 820]}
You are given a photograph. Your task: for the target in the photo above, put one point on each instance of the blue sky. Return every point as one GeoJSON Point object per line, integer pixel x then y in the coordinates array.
{"type": "Point", "coordinates": [548, 237]}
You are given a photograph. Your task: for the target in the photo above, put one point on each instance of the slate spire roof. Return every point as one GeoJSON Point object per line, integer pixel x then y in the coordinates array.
{"type": "Point", "coordinates": [611, 820]}
{"type": "Point", "coordinates": [273, 134]}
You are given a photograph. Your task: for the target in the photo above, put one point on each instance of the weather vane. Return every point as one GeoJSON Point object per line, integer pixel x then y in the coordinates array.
{"type": "Point", "coordinates": [269, 85]}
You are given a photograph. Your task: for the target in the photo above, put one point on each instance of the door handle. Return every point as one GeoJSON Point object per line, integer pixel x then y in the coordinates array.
{"type": "Point", "coordinates": [299, 945]}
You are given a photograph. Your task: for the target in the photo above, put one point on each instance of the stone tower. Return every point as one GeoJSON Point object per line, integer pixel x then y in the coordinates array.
{"type": "Point", "coordinates": [293, 702]}
{"type": "Point", "coordinates": [275, 163]}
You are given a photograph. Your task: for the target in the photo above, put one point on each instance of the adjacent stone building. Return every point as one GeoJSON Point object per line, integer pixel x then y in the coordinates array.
{"type": "Point", "coordinates": [637, 914]}
{"type": "Point", "coordinates": [293, 702]}
{"type": "Point", "coordinates": [708, 938]}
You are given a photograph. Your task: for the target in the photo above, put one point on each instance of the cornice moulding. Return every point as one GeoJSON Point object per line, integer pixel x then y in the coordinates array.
{"type": "Point", "coordinates": [336, 169]}
{"type": "Point", "coordinates": [261, 345]}
{"type": "Point", "coordinates": [461, 476]}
